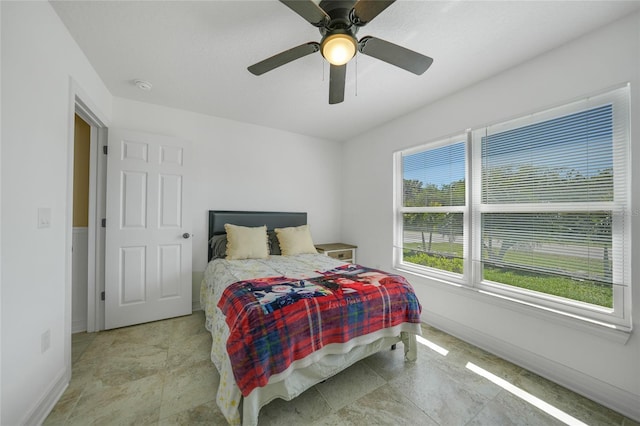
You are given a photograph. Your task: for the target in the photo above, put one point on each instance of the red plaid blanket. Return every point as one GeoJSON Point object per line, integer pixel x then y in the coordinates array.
{"type": "Point", "coordinates": [277, 320]}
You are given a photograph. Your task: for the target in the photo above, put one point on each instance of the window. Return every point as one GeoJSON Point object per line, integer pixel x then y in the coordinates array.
{"type": "Point", "coordinates": [532, 209]}
{"type": "Point", "coordinates": [433, 206]}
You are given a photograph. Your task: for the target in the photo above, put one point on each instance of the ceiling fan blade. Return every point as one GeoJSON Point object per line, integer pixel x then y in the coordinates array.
{"type": "Point", "coordinates": [336, 83]}
{"type": "Point", "coordinates": [284, 58]}
{"type": "Point", "coordinates": [365, 10]}
{"type": "Point", "coordinates": [395, 55]}
{"type": "Point", "coordinates": [308, 10]}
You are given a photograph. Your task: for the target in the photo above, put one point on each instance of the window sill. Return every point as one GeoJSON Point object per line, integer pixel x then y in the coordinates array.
{"type": "Point", "coordinates": [611, 332]}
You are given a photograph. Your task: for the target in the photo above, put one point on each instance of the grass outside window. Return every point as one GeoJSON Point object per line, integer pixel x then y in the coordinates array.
{"type": "Point", "coordinates": [574, 288]}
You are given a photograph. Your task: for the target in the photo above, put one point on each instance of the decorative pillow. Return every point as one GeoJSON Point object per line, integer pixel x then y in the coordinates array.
{"type": "Point", "coordinates": [218, 246]}
{"type": "Point", "coordinates": [246, 243]}
{"type": "Point", "coordinates": [295, 240]}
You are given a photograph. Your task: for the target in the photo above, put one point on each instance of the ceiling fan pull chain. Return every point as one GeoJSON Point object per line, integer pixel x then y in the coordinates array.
{"type": "Point", "coordinates": [356, 75]}
{"type": "Point", "coordinates": [322, 60]}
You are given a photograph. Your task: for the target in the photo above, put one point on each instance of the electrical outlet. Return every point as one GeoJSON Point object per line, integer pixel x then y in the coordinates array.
{"type": "Point", "coordinates": [45, 341]}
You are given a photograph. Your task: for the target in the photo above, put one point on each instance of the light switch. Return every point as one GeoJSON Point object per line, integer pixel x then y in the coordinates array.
{"type": "Point", "coordinates": [44, 217]}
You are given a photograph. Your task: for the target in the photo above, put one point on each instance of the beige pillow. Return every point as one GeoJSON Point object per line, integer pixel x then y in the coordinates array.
{"type": "Point", "coordinates": [246, 243]}
{"type": "Point", "coordinates": [295, 240]}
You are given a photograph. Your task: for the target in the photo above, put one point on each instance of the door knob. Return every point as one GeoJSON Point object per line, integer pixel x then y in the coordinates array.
{"type": "Point", "coordinates": [186, 235]}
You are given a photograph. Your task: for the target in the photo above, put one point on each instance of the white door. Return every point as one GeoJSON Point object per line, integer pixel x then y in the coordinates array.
{"type": "Point", "coordinates": [148, 229]}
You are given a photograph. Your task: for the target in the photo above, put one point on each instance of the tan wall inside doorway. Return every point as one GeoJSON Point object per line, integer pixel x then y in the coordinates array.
{"type": "Point", "coordinates": [82, 137]}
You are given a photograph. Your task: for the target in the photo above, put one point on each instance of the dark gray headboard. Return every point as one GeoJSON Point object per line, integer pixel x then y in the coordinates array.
{"type": "Point", "coordinates": [217, 219]}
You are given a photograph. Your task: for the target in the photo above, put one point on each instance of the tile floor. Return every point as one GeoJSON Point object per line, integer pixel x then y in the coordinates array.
{"type": "Point", "coordinates": [160, 374]}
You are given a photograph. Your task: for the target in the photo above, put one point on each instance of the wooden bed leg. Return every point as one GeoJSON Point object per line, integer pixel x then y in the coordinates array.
{"type": "Point", "coordinates": [393, 347]}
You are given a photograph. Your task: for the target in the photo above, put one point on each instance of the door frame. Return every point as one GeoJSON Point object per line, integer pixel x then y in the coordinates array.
{"type": "Point", "coordinates": [80, 103]}
{"type": "Point", "coordinates": [97, 191]}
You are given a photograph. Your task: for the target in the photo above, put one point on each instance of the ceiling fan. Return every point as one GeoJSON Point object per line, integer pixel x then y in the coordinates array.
{"type": "Point", "coordinates": [338, 22]}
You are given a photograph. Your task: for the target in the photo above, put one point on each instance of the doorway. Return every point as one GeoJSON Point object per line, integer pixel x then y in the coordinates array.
{"type": "Point", "coordinates": [87, 202]}
{"type": "Point", "coordinates": [80, 238]}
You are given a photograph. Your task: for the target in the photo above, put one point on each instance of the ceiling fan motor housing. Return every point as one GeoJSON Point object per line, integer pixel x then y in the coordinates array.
{"type": "Point", "coordinates": [339, 30]}
{"type": "Point", "coordinates": [340, 21]}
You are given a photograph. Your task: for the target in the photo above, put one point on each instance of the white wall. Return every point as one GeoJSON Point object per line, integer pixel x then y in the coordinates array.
{"type": "Point", "coordinates": [38, 59]}
{"type": "Point", "coordinates": [239, 166]}
{"type": "Point", "coordinates": [605, 370]}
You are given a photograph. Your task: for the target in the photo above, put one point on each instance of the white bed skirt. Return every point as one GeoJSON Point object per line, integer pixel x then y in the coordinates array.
{"type": "Point", "coordinates": [299, 378]}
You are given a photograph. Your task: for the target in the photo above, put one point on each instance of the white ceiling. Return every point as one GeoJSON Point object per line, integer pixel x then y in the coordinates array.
{"type": "Point", "coordinates": [196, 55]}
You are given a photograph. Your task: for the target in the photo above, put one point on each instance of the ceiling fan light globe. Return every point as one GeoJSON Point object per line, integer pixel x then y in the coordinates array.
{"type": "Point", "coordinates": [338, 49]}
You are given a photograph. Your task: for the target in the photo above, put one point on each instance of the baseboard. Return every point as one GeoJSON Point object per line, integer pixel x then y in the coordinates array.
{"type": "Point", "coordinates": [624, 402]}
{"type": "Point", "coordinates": [40, 411]}
{"type": "Point", "coordinates": [195, 306]}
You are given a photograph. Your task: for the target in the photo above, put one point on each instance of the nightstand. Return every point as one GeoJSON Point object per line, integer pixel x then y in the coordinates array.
{"type": "Point", "coordinates": [340, 251]}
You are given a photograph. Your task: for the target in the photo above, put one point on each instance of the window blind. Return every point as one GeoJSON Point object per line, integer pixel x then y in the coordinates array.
{"type": "Point", "coordinates": [567, 159]}
{"type": "Point", "coordinates": [552, 200]}
{"type": "Point", "coordinates": [435, 177]}
{"type": "Point", "coordinates": [433, 202]}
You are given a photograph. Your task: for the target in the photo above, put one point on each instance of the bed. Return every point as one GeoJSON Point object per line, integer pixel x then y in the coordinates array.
{"type": "Point", "coordinates": [285, 321]}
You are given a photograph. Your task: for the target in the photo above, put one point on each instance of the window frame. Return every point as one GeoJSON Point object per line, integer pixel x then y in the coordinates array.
{"type": "Point", "coordinates": [619, 316]}
{"type": "Point", "coordinates": [400, 210]}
